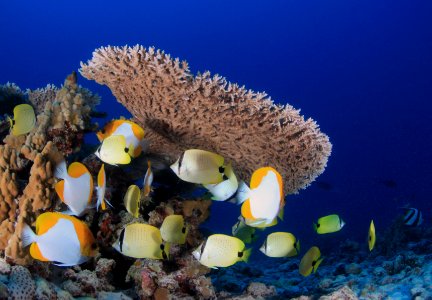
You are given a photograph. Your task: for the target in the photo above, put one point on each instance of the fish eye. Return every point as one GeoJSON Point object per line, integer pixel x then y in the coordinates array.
{"type": "Point", "coordinates": [162, 247]}
{"type": "Point", "coordinates": [184, 230]}
{"type": "Point", "coordinates": [126, 149]}
{"type": "Point", "coordinates": [221, 169]}
{"type": "Point", "coordinates": [103, 131]}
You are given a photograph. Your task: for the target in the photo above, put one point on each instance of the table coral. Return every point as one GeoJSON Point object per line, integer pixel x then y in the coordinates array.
{"type": "Point", "coordinates": [181, 111]}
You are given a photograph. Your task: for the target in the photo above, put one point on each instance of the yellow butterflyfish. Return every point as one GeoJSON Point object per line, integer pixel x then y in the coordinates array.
{"type": "Point", "coordinates": [371, 236]}
{"type": "Point", "coordinates": [114, 151]}
{"type": "Point", "coordinates": [132, 132]}
{"type": "Point", "coordinates": [174, 229]}
{"type": "Point", "coordinates": [132, 200]}
{"type": "Point", "coordinates": [220, 250]}
{"type": "Point", "coordinates": [24, 119]}
{"type": "Point", "coordinates": [281, 244]}
{"type": "Point", "coordinates": [200, 166]}
{"type": "Point", "coordinates": [328, 224]}
{"type": "Point", "coordinates": [310, 261]}
{"type": "Point", "coordinates": [141, 241]}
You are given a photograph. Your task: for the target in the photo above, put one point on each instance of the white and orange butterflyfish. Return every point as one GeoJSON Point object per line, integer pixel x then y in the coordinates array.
{"type": "Point", "coordinates": [264, 200]}
{"type": "Point", "coordinates": [101, 189]}
{"type": "Point", "coordinates": [76, 188]}
{"type": "Point", "coordinates": [148, 180]}
{"type": "Point", "coordinates": [61, 239]}
{"type": "Point", "coordinates": [133, 133]}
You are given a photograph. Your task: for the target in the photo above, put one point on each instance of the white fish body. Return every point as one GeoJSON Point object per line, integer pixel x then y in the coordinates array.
{"type": "Point", "coordinates": [226, 189]}
{"type": "Point", "coordinates": [76, 191]}
{"type": "Point", "coordinates": [265, 199]}
{"type": "Point", "coordinates": [59, 244]}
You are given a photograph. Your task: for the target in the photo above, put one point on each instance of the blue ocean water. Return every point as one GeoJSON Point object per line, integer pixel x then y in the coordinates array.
{"type": "Point", "coordinates": [361, 69]}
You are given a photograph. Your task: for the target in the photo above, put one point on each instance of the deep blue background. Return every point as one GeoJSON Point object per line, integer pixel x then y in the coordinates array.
{"type": "Point", "coordinates": [361, 69]}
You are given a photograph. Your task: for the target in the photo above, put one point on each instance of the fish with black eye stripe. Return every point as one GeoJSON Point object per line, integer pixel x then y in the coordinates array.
{"type": "Point", "coordinates": [328, 224]}
{"type": "Point", "coordinates": [220, 250]}
{"type": "Point", "coordinates": [310, 261]}
{"type": "Point", "coordinates": [281, 244]}
{"type": "Point", "coordinates": [200, 167]}
{"type": "Point", "coordinates": [142, 241]}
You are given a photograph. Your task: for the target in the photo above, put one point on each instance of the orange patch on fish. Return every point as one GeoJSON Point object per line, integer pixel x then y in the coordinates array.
{"type": "Point", "coordinates": [36, 253]}
{"type": "Point", "coordinates": [246, 210]}
{"type": "Point", "coordinates": [77, 169]}
{"type": "Point", "coordinates": [59, 187]}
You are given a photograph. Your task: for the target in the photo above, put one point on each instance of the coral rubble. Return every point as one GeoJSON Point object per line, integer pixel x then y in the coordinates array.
{"type": "Point", "coordinates": [180, 111]}
{"type": "Point", "coordinates": [354, 275]}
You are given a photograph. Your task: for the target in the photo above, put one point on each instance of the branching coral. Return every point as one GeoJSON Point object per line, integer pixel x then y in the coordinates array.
{"type": "Point", "coordinates": [27, 162]}
{"type": "Point", "coordinates": [180, 111]}
{"type": "Point", "coordinates": [40, 97]}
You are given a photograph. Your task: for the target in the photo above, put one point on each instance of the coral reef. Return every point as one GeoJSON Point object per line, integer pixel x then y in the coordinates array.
{"type": "Point", "coordinates": [168, 93]}
{"type": "Point", "coordinates": [40, 97]}
{"type": "Point", "coordinates": [88, 283]}
{"type": "Point", "coordinates": [356, 275]}
{"type": "Point", "coordinates": [182, 275]}
{"type": "Point", "coordinates": [26, 162]}
{"type": "Point", "coordinates": [245, 127]}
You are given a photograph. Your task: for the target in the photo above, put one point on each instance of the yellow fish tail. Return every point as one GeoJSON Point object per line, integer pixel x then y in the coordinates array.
{"type": "Point", "coordinates": [246, 254]}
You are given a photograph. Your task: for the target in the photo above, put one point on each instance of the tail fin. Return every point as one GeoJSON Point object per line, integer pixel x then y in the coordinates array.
{"type": "Point", "coordinates": [27, 236]}
{"type": "Point", "coordinates": [281, 213]}
{"type": "Point", "coordinates": [297, 247]}
{"type": "Point", "coordinates": [61, 170]}
{"type": "Point", "coordinates": [317, 263]}
{"type": "Point", "coordinates": [246, 254]}
{"type": "Point", "coordinates": [243, 192]}
{"type": "Point", "coordinates": [166, 250]}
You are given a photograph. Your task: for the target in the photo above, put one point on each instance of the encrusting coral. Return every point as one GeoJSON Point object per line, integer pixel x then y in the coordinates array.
{"type": "Point", "coordinates": [180, 111]}
{"type": "Point", "coordinates": [27, 162]}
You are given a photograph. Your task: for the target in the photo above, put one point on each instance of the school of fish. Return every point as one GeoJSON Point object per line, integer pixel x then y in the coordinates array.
{"type": "Point", "coordinates": [262, 204]}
